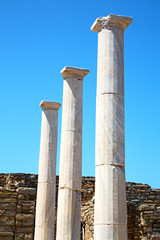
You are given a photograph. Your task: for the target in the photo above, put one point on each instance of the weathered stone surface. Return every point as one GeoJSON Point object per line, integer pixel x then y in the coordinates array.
{"type": "Point", "coordinates": [45, 208]}
{"type": "Point", "coordinates": [24, 230]}
{"type": "Point", "coordinates": [8, 213]}
{"type": "Point", "coordinates": [21, 236]}
{"type": "Point", "coordinates": [110, 148]}
{"type": "Point", "coordinates": [6, 234]}
{"type": "Point", "coordinates": [26, 207]}
{"type": "Point", "coordinates": [69, 219]}
{"type": "Point", "coordinates": [72, 110]}
{"type": "Point", "coordinates": [111, 20]}
{"type": "Point", "coordinates": [24, 190]}
{"type": "Point", "coordinates": [7, 197]}
{"type": "Point", "coordinates": [4, 220]}
{"type": "Point", "coordinates": [6, 229]}
{"type": "Point", "coordinates": [110, 231]}
{"type": "Point", "coordinates": [69, 72]}
{"type": "Point", "coordinates": [112, 196]}
{"type": "Point", "coordinates": [110, 71]}
{"type": "Point", "coordinates": [44, 233]}
{"type": "Point", "coordinates": [71, 170]}
{"type": "Point", "coordinates": [155, 237]}
{"type": "Point", "coordinates": [24, 217]}
{"type": "Point", "coordinates": [48, 145]}
{"type": "Point", "coordinates": [8, 205]}
{"type": "Point", "coordinates": [69, 204]}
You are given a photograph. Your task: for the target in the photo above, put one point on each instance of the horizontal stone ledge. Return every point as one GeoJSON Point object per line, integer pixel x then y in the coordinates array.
{"type": "Point", "coordinates": [110, 21]}
{"type": "Point", "coordinates": [6, 229]}
{"type": "Point", "coordinates": [6, 234]}
{"type": "Point", "coordinates": [47, 105]}
{"type": "Point", "coordinates": [74, 72]}
{"type": "Point", "coordinates": [8, 200]}
{"type": "Point", "coordinates": [26, 190]}
{"type": "Point", "coordinates": [8, 206]}
{"type": "Point", "coordinates": [8, 194]}
{"type": "Point", "coordinates": [24, 230]}
{"type": "Point", "coordinates": [24, 217]}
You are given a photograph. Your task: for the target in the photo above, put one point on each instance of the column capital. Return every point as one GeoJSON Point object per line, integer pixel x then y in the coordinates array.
{"type": "Point", "coordinates": [111, 20]}
{"type": "Point", "coordinates": [49, 105]}
{"type": "Point", "coordinates": [72, 72]}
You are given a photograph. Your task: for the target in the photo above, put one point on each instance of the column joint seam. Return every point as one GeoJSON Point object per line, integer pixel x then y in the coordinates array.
{"type": "Point", "coordinates": [111, 164]}
{"type": "Point", "coordinates": [72, 189]}
{"type": "Point", "coordinates": [43, 227]}
{"type": "Point", "coordinates": [71, 131]}
{"type": "Point", "coordinates": [114, 93]}
{"type": "Point", "coordinates": [112, 224]}
{"type": "Point", "coordinates": [46, 182]}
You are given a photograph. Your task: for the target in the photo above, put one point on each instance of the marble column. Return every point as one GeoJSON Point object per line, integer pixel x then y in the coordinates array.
{"type": "Point", "coordinates": [110, 187]}
{"type": "Point", "coordinates": [69, 197]}
{"type": "Point", "coordinates": [45, 206]}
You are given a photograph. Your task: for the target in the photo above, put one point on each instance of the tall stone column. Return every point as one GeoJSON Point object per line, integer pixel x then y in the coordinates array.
{"type": "Point", "coordinates": [45, 207]}
{"type": "Point", "coordinates": [69, 197]}
{"type": "Point", "coordinates": [110, 187]}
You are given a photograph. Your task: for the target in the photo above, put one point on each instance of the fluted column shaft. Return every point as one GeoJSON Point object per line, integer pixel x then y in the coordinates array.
{"type": "Point", "coordinates": [69, 197]}
{"type": "Point", "coordinates": [45, 206]}
{"type": "Point", "coordinates": [110, 189]}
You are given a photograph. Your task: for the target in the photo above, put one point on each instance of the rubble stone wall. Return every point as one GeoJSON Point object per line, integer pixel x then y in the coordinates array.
{"type": "Point", "coordinates": [18, 204]}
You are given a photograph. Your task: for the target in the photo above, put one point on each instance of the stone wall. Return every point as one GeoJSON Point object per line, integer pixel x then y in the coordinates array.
{"type": "Point", "coordinates": [18, 202]}
{"type": "Point", "coordinates": [17, 206]}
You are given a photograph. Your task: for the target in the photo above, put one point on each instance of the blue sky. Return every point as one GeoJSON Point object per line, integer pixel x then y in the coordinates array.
{"type": "Point", "coordinates": [37, 39]}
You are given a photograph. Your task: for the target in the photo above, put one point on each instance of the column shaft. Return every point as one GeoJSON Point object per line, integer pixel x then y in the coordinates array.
{"type": "Point", "coordinates": [45, 206]}
{"type": "Point", "coordinates": [69, 197]}
{"type": "Point", "coordinates": [110, 188]}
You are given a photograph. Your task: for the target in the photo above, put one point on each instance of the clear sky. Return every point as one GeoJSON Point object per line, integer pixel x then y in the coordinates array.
{"type": "Point", "coordinates": [37, 39]}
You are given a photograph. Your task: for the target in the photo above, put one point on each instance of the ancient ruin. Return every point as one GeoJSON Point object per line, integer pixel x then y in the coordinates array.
{"type": "Point", "coordinates": [71, 207]}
